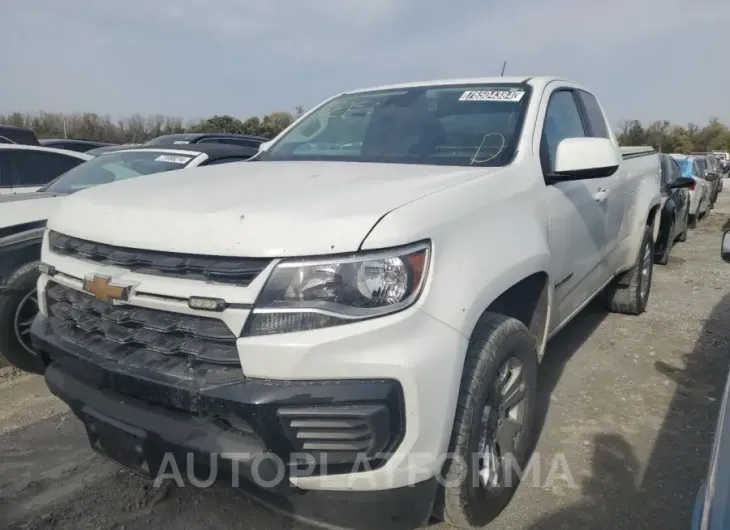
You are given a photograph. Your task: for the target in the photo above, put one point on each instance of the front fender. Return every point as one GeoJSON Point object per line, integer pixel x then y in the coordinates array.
{"type": "Point", "coordinates": [484, 241]}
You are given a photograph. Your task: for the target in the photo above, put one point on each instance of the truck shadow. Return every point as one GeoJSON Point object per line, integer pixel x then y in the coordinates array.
{"type": "Point", "coordinates": [613, 497]}
{"type": "Point", "coordinates": [558, 353]}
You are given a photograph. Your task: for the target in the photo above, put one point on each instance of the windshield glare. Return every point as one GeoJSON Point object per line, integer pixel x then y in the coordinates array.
{"type": "Point", "coordinates": [114, 166]}
{"type": "Point", "coordinates": [446, 125]}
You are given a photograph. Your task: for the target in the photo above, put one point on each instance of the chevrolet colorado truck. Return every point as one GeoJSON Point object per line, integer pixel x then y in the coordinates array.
{"type": "Point", "coordinates": [352, 322]}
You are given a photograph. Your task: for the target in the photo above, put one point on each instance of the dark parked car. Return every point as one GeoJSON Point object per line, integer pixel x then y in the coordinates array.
{"type": "Point", "coordinates": [69, 144]}
{"type": "Point", "coordinates": [245, 140]}
{"type": "Point", "coordinates": [109, 148]}
{"type": "Point", "coordinates": [674, 223]}
{"type": "Point", "coordinates": [17, 135]}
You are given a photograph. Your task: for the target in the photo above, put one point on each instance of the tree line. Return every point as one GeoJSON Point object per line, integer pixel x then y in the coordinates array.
{"type": "Point", "coordinates": [662, 135]}
{"type": "Point", "coordinates": [139, 129]}
{"type": "Point", "coordinates": [669, 138]}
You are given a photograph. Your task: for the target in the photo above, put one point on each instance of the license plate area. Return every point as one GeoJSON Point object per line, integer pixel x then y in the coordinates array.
{"type": "Point", "coordinates": [122, 443]}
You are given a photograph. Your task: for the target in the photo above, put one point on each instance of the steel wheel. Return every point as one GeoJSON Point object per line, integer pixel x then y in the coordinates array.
{"type": "Point", "coordinates": [503, 420]}
{"type": "Point", "coordinates": [24, 315]}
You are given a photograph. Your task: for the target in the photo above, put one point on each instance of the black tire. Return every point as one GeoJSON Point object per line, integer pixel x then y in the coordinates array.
{"type": "Point", "coordinates": [683, 235]}
{"type": "Point", "coordinates": [496, 342]}
{"type": "Point", "coordinates": [663, 258]}
{"type": "Point", "coordinates": [20, 286]}
{"type": "Point", "coordinates": [629, 294]}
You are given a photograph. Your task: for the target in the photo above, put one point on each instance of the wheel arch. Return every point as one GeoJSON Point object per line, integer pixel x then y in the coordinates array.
{"type": "Point", "coordinates": [526, 296]}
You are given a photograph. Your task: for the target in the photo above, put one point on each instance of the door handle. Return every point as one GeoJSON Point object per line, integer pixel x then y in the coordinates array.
{"type": "Point", "coordinates": [601, 194]}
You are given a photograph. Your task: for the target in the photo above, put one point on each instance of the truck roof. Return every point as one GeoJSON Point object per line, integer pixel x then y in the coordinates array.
{"type": "Point", "coordinates": [534, 80]}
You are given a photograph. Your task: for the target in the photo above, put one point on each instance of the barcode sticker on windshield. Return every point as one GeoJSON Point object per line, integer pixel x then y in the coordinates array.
{"type": "Point", "coordinates": [492, 95]}
{"type": "Point", "coordinates": [173, 159]}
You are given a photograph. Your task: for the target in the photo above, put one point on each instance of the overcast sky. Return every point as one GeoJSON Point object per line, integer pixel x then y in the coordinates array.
{"type": "Point", "coordinates": [645, 59]}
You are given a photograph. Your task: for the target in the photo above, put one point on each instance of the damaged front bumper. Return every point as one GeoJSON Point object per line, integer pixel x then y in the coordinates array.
{"type": "Point", "coordinates": [252, 434]}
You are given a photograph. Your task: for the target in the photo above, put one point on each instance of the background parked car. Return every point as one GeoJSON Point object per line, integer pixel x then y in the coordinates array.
{"type": "Point", "coordinates": [109, 148]}
{"type": "Point", "coordinates": [25, 168]}
{"type": "Point", "coordinates": [23, 219]}
{"type": "Point", "coordinates": [17, 135]}
{"type": "Point", "coordinates": [699, 192]}
{"type": "Point", "coordinates": [208, 138]}
{"type": "Point", "coordinates": [711, 171]}
{"type": "Point", "coordinates": [81, 146]}
{"type": "Point", "coordinates": [674, 223]}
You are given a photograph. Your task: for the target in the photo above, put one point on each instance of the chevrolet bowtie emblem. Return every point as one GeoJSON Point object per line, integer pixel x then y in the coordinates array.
{"type": "Point", "coordinates": [105, 290]}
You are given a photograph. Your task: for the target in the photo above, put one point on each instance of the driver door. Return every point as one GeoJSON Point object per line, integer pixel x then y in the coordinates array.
{"type": "Point", "coordinates": [577, 211]}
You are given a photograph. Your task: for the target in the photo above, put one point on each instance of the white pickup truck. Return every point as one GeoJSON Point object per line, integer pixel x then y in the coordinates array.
{"type": "Point", "coordinates": [367, 296]}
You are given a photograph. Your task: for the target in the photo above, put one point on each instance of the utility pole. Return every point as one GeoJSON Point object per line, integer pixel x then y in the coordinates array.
{"type": "Point", "coordinates": [504, 65]}
{"type": "Point", "coordinates": [64, 128]}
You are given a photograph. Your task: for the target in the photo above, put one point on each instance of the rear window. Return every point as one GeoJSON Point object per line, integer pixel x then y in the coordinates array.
{"type": "Point", "coordinates": [115, 166]}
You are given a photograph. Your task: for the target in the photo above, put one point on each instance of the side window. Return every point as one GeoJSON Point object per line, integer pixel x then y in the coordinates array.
{"type": "Point", "coordinates": [596, 119]}
{"type": "Point", "coordinates": [562, 120]}
{"type": "Point", "coordinates": [36, 168]}
{"type": "Point", "coordinates": [675, 172]}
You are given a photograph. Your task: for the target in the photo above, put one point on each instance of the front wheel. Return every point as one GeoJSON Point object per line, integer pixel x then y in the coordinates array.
{"type": "Point", "coordinates": [494, 427]}
{"type": "Point", "coordinates": [18, 308]}
{"type": "Point", "coordinates": [629, 294]}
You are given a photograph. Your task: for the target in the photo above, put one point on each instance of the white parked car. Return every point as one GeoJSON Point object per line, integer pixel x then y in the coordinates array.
{"type": "Point", "coordinates": [25, 168]}
{"type": "Point", "coordinates": [371, 292]}
{"type": "Point", "coordinates": [23, 221]}
{"type": "Point", "coordinates": [700, 193]}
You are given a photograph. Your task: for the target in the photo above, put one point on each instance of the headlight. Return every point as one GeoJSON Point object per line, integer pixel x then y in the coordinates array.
{"type": "Point", "coordinates": [323, 292]}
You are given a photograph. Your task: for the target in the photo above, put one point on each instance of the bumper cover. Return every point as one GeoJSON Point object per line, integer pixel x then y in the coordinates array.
{"type": "Point", "coordinates": [186, 423]}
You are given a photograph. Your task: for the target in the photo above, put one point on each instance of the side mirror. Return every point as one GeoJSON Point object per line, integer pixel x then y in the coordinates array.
{"type": "Point", "coordinates": [585, 158]}
{"type": "Point", "coordinates": [682, 182]}
{"type": "Point", "coordinates": [725, 252]}
{"type": "Point", "coordinates": [264, 146]}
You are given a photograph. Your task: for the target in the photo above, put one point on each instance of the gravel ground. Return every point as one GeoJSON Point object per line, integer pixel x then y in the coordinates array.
{"type": "Point", "coordinates": [628, 411]}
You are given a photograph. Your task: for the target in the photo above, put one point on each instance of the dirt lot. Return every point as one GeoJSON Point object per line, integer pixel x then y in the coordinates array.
{"type": "Point", "coordinates": [629, 407]}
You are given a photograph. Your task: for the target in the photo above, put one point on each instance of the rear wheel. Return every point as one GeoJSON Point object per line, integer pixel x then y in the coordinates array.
{"type": "Point", "coordinates": [494, 427]}
{"type": "Point", "coordinates": [629, 294]}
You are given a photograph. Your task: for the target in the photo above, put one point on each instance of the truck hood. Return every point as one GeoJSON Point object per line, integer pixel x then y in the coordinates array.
{"type": "Point", "coordinates": [252, 209]}
{"type": "Point", "coordinates": [27, 208]}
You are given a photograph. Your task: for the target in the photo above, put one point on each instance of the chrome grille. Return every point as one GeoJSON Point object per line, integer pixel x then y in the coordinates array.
{"type": "Point", "coordinates": [219, 269]}
{"type": "Point", "coordinates": [130, 333]}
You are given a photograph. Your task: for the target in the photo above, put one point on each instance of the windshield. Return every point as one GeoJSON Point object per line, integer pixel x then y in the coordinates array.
{"type": "Point", "coordinates": [120, 165]}
{"type": "Point", "coordinates": [467, 125]}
